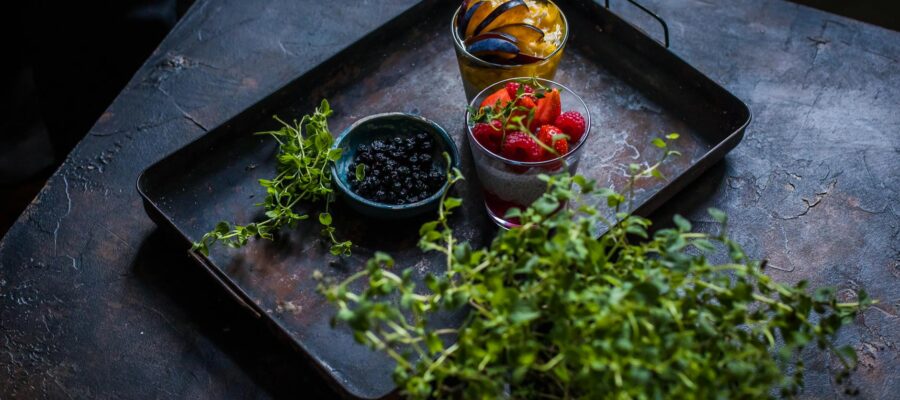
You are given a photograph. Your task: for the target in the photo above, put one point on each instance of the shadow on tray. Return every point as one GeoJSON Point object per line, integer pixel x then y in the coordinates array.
{"type": "Point", "coordinates": [269, 361]}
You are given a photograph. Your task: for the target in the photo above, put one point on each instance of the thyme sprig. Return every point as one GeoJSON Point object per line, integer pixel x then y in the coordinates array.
{"type": "Point", "coordinates": [304, 159]}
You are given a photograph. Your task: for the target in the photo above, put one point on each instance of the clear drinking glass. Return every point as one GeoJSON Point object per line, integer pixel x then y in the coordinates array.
{"type": "Point", "coordinates": [514, 184]}
{"type": "Point", "coordinates": [478, 74]}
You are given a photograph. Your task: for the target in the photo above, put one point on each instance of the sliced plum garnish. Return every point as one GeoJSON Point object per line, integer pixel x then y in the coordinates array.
{"type": "Point", "coordinates": [492, 35]}
{"type": "Point", "coordinates": [507, 13]}
{"type": "Point", "coordinates": [526, 33]}
{"type": "Point", "coordinates": [523, 58]}
{"type": "Point", "coordinates": [492, 48]}
{"type": "Point", "coordinates": [474, 16]}
{"type": "Point", "coordinates": [465, 17]}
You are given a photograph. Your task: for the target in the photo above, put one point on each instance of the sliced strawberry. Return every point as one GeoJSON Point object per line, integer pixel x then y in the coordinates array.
{"type": "Point", "coordinates": [548, 108]}
{"type": "Point", "coordinates": [524, 105]}
{"type": "Point", "coordinates": [572, 123]}
{"type": "Point", "coordinates": [498, 99]}
{"type": "Point", "coordinates": [526, 102]}
{"type": "Point", "coordinates": [520, 146]}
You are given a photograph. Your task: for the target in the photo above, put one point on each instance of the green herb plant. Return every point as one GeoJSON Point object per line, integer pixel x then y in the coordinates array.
{"type": "Point", "coordinates": [304, 159]}
{"type": "Point", "coordinates": [557, 312]}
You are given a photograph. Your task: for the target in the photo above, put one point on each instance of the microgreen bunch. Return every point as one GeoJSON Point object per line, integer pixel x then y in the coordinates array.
{"type": "Point", "coordinates": [304, 159]}
{"type": "Point", "coordinates": [557, 312]}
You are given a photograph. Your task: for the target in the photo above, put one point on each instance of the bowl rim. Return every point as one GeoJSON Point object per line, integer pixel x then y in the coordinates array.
{"type": "Point", "coordinates": [458, 42]}
{"type": "Point", "coordinates": [571, 153]}
{"type": "Point", "coordinates": [449, 143]}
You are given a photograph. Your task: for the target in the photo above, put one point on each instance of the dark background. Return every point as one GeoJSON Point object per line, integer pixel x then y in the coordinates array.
{"type": "Point", "coordinates": [66, 61]}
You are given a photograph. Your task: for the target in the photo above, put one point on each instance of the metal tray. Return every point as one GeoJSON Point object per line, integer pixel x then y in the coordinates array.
{"type": "Point", "coordinates": [635, 88]}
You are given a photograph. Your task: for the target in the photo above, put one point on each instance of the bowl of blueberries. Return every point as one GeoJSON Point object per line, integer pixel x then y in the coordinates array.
{"type": "Point", "coordinates": [392, 165]}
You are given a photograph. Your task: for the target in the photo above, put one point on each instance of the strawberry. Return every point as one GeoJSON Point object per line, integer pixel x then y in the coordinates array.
{"type": "Point", "coordinates": [488, 135]}
{"type": "Point", "coordinates": [546, 134]}
{"type": "Point", "coordinates": [526, 102]}
{"type": "Point", "coordinates": [554, 138]}
{"type": "Point", "coordinates": [572, 123]}
{"type": "Point", "coordinates": [520, 146]}
{"type": "Point", "coordinates": [524, 106]}
{"type": "Point", "coordinates": [561, 146]}
{"type": "Point", "coordinates": [548, 108]}
{"type": "Point", "coordinates": [500, 96]}
{"type": "Point", "coordinates": [513, 89]}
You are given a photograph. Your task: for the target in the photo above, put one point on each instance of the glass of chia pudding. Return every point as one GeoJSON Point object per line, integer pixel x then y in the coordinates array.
{"type": "Point", "coordinates": [521, 128]}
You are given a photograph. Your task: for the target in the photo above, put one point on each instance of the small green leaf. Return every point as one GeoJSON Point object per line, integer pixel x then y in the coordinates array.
{"type": "Point", "coordinates": [451, 203]}
{"type": "Point", "coordinates": [360, 172]}
{"type": "Point", "coordinates": [325, 219]}
{"type": "Point", "coordinates": [718, 215]}
{"type": "Point", "coordinates": [659, 143]}
{"type": "Point", "coordinates": [683, 224]}
{"type": "Point", "coordinates": [334, 154]}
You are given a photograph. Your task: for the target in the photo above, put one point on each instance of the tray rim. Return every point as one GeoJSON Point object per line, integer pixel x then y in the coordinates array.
{"type": "Point", "coordinates": [712, 156]}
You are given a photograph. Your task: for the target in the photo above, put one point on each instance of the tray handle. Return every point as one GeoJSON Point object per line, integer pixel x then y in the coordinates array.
{"type": "Point", "coordinates": [659, 19]}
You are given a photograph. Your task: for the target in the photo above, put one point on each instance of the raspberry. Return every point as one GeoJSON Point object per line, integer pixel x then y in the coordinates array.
{"type": "Point", "coordinates": [512, 88]}
{"type": "Point", "coordinates": [520, 146]}
{"type": "Point", "coordinates": [572, 123]}
{"type": "Point", "coordinates": [488, 135]}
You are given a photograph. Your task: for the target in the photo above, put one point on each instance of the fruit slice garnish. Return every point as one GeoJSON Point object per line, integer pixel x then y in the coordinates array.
{"type": "Point", "coordinates": [496, 48]}
{"type": "Point", "coordinates": [522, 59]}
{"type": "Point", "coordinates": [474, 16]}
{"type": "Point", "coordinates": [526, 33]}
{"type": "Point", "coordinates": [512, 11]}
{"type": "Point", "coordinates": [492, 35]}
{"type": "Point", "coordinates": [500, 96]}
{"type": "Point", "coordinates": [548, 108]}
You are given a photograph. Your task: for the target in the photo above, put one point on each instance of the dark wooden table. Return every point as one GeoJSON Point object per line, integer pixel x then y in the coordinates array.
{"type": "Point", "coordinates": [95, 303]}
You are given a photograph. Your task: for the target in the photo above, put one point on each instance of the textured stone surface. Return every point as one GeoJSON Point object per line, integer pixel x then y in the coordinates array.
{"type": "Point", "coordinates": [95, 303]}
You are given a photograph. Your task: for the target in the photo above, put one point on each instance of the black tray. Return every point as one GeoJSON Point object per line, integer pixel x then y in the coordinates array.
{"type": "Point", "coordinates": [635, 88]}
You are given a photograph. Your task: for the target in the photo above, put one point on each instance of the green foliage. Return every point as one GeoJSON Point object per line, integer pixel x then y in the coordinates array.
{"type": "Point", "coordinates": [557, 312]}
{"type": "Point", "coordinates": [303, 165]}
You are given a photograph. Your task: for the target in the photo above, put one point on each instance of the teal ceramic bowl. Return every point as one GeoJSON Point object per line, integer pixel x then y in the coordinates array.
{"type": "Point", "coordinates": [382, 126]}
